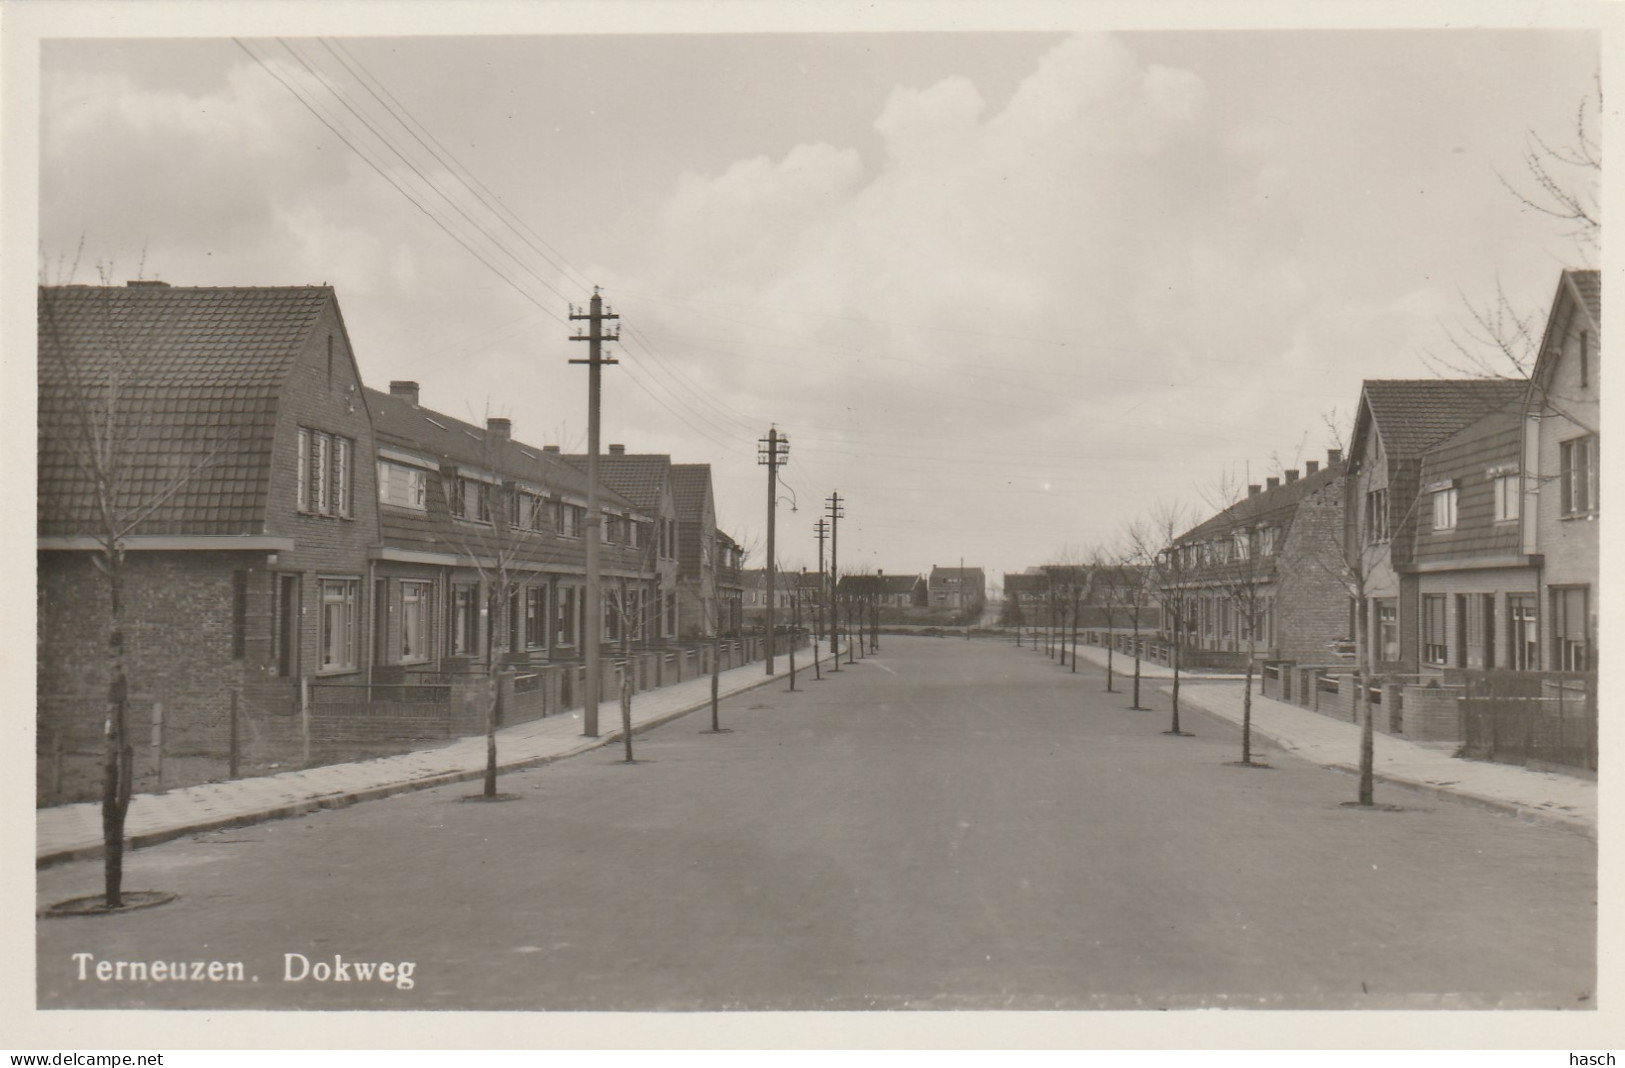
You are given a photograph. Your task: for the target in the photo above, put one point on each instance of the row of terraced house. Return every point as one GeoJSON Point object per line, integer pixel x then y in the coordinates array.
{"type": "Point", "coordinates": [289, 526]}
{"type": "Point", "coordinates": [1454, 551]}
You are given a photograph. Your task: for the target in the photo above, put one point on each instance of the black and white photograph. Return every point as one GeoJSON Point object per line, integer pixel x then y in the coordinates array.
{"type": "Point", "coordinates": [954, 525]}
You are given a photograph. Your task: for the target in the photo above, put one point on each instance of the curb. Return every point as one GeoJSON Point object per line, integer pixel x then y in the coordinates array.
{"type": "Point", "coordinates": [346, 798]}
{"type": "Point", "coordinates": [1578, 825]}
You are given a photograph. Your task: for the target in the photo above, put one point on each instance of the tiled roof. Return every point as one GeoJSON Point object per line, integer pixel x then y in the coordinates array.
{"type": "Point", "coordinates": [440, 437]}
{"type": "Point", "coordinates": [639, 477]}
{"type": "Point", "coordinates": [1589, 284]}
{"type": "Point", "coordinates": [898, 583]}
{"type": "Point", "coordinates": [973, 574]}
{"type": "Point", "coordinates": [1267, 502]}
{"type": "Point", "coordinates": [1026, 582]}
{"type": "Point", "coordinates": [690, 485]}
{"type": "Point", "coordinates": [1411, 414]}
{"type": "Point", "coordinates": [201, 369]}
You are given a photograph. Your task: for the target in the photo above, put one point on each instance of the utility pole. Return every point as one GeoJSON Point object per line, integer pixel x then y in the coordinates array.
{"type": "Point", "coordinates": [835, 514]}
{"type": "Point", "coordinates": [821, 528]}
{"type": "Point", "coordinates": [771, 451]}
{"type": "Point", "coordinates": [595, 316]}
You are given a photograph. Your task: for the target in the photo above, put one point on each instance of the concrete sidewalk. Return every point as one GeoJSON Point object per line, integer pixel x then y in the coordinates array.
{"type": "Point", "coordinates": [71, 832]}
{"type": "Point", "coordinates": [1567, 800]}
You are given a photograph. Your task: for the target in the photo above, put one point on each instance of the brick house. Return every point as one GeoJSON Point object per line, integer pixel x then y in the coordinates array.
{"type": "Point", "coordinates": [698, 592]}
{"type": "Point", "coordinates": [1026, 598]}
{"type": "Point", "coordinates": [247, 477]}
{"type": "Point", "coordinates": [1261, 555]}
{"type": "Point", "coordinates": [958, 588]}
{"type": "Point", "coordinates": [645, 479]}
{"type": "Point", "coordinates": [466, 510]}
{"type": "Point", "coordinates": [1562, 418]}
{"type": "Point", "coordinates": [1475, 583]}
{"type": "Point", "coordinates": [1397, 422]}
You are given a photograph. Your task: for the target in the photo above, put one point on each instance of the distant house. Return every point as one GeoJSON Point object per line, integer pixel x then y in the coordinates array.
{"type": "Point", "coordinates": [645, 480]}
{"type": "Point", "coordinates": [958, 588]}
{"type": "Point", "coordinates": [1259, 555]}
{"type": "Point", "coordinates": [697, 609]}
{"type": "Point", "coordinates": [1027, 599]}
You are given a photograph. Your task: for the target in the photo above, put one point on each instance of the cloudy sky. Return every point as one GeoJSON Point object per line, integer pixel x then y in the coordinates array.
{"type": "Point", "coordinates": [1005, 291]}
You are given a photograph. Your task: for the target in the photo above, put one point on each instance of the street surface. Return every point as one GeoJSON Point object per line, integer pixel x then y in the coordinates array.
{"type": "Point", "coordinates": [948, 825]}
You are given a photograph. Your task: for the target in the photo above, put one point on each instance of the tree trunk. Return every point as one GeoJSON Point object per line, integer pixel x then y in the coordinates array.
{"type": "Point", "coordinates": [716, 675]}
{"type": "Point", "coordinates": [1247, 717]}
{"type": "Point", "coordinates": [626, 710]}
{"type": "Point", "coordinates": [493, 712]}
{"type": "Point", "coordinates": [120, 756]}
{"type": "Point", "coordinates": [1362, 645]}
{"type": "Point", "coordinates": [1175, 658]}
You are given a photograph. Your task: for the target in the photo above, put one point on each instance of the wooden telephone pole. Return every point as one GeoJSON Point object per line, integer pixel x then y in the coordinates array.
{"type": "Point", "coordinates": [771, 451]}
{"type": "Point", "coordinates": [593, 627]}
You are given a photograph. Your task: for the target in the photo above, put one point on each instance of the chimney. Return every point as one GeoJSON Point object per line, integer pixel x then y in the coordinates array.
{"type": "Point", "coordinates": [1292, 475]}
{"type": "Point", "coordinates": [554, 449]}
{"type": "Point", "coordinates": [1310, 467]}
{"type": "Point", "coordinates": [1254, 490]}
{"type": "Point", "coordinates": [1273, 482]}
{"type": "Point", "coordinates": [1334, 456]}
{"type": "Point", "coordinates": [498, 428]}
{"type": "Point", "coordinates": [409, 390]}
{"type": "Point", "coordinates": [617, 450]}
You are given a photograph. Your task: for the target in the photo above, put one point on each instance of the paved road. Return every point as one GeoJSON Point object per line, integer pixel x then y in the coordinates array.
{"type": "Point", "coordinates": [947, 825]}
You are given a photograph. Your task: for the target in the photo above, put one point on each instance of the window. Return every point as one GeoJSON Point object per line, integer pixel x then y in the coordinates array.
{"type": "Point", "coordinates": [465, 619]}
{"type": "Point", "coordinates": [1388, 629]}
{"type": "Point", "coordinates": [1243, 544]}
{"type": "Point", "coordinates": [671, 615]}
{"type": "Point", "coordinates": [472, 500]}
{"type": "Point", "coordinates": [528, 511]}
{"type": "Point", "coordinates": [1506, 490]}
{"type": "Point", "coordinates": [1435, 642]}
{"type": "Point", "coordinates": [1577, 474]}
{"type": "Point", "coordinates": [402, 486]}
{"type": "Point", "coordinates": [535, 617]}
{"type": "Point", "coordinates": [1523, 639]}
{"type": "Point", "coordinates": [1585, 359]}
{"type": "Point", "coordinates": [1571, 651]}
{"type": "Point", "coordinates": [612, 615]}
{"type": "Point", "coordinates": [567, 599]}
{"type": "Point", "coordinates": [569, 518]}
{"type": "Point", "coordinates": [324, 482]}
{"type": "Point", "coordinates": [1266, 541]}
{"type": "Point", "coordinates": [337, 640]}
{"type": "Point", "coordinates": [634, 613]}
{"type": "Point", "coordinates": [239, 614]}
{"type": "Point", "coordinates": [1444, 508]}
{"type": "Point", "coordinates": [1376, 515]}
{"type": "Point", "coordinates": [415, 606]}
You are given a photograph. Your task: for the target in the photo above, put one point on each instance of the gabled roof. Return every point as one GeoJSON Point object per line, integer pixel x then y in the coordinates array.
{"type": "Point", "coordinates": [899, 583]}
{"type": "Point", "coordinates": [969, 574]}
{"type": "Point", "coordinates": [691, 486]}
{"type": "Point", "coordinates": [1277, 501]}
{"type": "Point", "coordinates": [1027, 581]}
{"type": "Point", "coordinates": [443, 439]}
{"type": "Point", "coordinates": [1583, 288]}
{"type": "Point", "coordinates": [202, 370]}
{"type": "Point", "coordinates": [639, 477]}
{"type": "Point", "coordinates": [1411, 414]}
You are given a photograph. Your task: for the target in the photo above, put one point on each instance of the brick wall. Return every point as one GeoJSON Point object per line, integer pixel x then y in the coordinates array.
{"type": "Point", "coordinates": [1311, 602]}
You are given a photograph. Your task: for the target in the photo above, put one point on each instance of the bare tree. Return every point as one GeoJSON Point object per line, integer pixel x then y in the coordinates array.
{"type": "Point", "coordinates": [1241, 572]}
{"type": "Point", "coordinates": [497, 529]}
{"type": "Point", "coordinates": [1562, 180]}
{"type": "Point", "coordinates": [102, 414]}
{"type": "Point", "coordinates": [1156, 541]}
